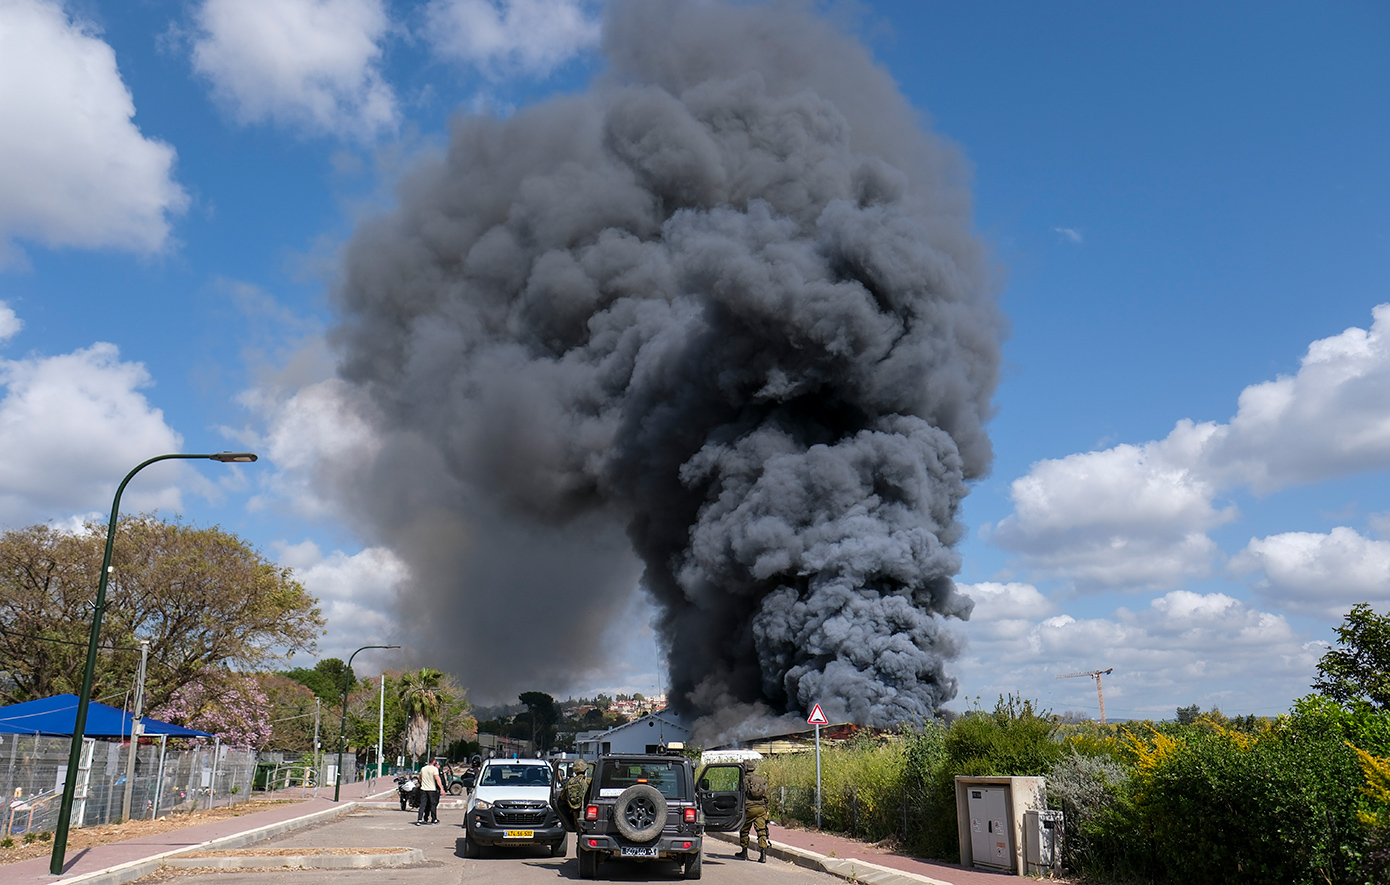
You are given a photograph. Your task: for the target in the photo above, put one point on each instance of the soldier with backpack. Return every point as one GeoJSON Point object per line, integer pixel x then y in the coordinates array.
{"type": "Point", "coordinates": [755, 790]}
{"type": "Point", "coordinates": [576, 785]}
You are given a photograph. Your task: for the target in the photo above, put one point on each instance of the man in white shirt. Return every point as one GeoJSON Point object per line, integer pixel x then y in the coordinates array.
{"type": "Point", "coordinates": [430, 787]}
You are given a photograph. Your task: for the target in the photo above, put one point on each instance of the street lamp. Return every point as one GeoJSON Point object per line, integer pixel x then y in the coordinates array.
{"type": "Point", "coordinates": [342, 726]}
{"type": "Point", "coordinates": [79, 726]}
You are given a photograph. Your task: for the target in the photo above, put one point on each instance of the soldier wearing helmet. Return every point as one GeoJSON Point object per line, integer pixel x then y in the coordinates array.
{"type": "Point", "coordinates": [755, 790]}
{"type": "Point", "coordinates": [576, 785]}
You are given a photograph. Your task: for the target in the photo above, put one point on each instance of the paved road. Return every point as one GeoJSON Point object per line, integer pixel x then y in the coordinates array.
{"type": "Point", "coordinates": [445, 865]}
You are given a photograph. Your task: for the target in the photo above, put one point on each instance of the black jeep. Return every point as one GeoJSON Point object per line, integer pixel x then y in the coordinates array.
{"type": "Point", "coordinates": [649, 807]}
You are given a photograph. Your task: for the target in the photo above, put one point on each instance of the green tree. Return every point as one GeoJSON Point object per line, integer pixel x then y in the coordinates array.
{"type": "Point", "coordinates": [1357, 671]}
{"type": "Point", "coordinates": [206, 601]}
{"type": "Point", "coordinates": [325, 679]}
{"type": "Point", "coordinates": [542, 714]}
{"type": "Point", "coordinates": [421, 697]}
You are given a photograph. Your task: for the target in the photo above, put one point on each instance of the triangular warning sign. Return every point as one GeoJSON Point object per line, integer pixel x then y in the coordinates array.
{"type": "Point", "coordinates": [817, 717]}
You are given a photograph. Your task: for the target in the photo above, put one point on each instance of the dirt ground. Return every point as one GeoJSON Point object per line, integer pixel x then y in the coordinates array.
{"type": "Point", "coordinates": [132, 829]}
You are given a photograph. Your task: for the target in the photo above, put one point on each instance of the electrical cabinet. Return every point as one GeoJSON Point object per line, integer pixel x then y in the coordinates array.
{"type": "Point", "coordinates": [1042, 839]}
{"type": "Point", "coordinates": [989, 832]}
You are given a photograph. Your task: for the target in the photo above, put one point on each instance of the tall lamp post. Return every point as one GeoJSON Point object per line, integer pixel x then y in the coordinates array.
{"type": "Point", "coordinates": [342, 726]}
{"type": "Point", "coordinates": [79, 726]}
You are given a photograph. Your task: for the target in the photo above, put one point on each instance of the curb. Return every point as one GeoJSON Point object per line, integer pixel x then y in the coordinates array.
{"type": "Point", "coordinates": [138, 869]}
{"type": "Point", "coordinates": [401, 857]}
{"type": "Point", "coordinates": [849, 870]}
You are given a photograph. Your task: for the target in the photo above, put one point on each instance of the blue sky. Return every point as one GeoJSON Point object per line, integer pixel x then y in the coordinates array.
{"type": "Point", "coordinates": [1186, 203]}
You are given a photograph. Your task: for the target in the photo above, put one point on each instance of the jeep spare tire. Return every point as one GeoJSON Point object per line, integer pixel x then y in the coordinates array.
{"type": "Point", "coordinates": [640, 812]}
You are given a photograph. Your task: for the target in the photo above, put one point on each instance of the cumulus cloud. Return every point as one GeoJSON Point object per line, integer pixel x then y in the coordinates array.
{"type": "Point", "coordinates": [1320, 574]}
{"type": "Point", "coordinates": [312, 435]}
{"type": "Point", "coordinates": [74, 168]}
{"type": "Point", "coordinates": [70, 425]}
{"type": "Point", "coordinates": [1138, 515]}
{"type": "Point", "coordinates": [356, 592]}
{"type": "Point", "coordinates": [310, 64]}
{"type": "Point", "coordinates": [1182, 648]}
{"type": "Point", "coordinates": [512, 36]}
{"type": "Point", "coordinates": [10, 324]}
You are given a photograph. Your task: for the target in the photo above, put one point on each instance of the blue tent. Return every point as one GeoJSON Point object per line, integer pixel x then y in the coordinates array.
{"type": "Point", "coordinates": [58, 715]}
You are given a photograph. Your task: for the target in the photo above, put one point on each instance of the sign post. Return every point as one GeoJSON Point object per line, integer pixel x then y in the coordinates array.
{"type": "Point", "coordinates": [817, 718]}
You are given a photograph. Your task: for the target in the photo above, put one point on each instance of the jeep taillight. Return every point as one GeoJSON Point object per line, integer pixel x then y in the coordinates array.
{"type": "Point", "coordinates": [689, 815]}
{"type": "Point", "coordinates": [591, 813]}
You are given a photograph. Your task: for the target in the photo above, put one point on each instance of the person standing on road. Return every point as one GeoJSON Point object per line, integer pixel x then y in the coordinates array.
{"type": "Point", "coordinates": [755, 790]}
{"type": "Point", "coordinates": [576, 785]}
{"type": "Point", "coordinates": [429, 795]}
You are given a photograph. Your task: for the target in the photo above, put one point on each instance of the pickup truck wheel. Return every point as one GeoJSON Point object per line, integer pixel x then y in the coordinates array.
{"type": "Point", "coordinates": [692, 866]}
{"type": "Point", "coordinates": [640, 812]}
{"type": "Point", "coordinates": [560, 848]}
{"type": "Point", "coordinates": [470, 848]}
{"type": "Point", "coordinates": [455, 789]}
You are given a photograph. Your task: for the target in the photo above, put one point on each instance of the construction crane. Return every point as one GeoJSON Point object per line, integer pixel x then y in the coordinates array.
{"type": "Point", "coordinates": [1100, 692]}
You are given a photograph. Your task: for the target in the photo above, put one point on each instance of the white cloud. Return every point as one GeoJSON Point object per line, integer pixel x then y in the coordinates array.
{"type": "Point", "coordinates": [74, 168]}
{"type": "Point", "coordinates": [1126, 516]}
{"type": "Point", "coordinates": [313, 433]}
{"type": "Point", "coordinates": [1184, 647]}
{"type": "Point", "coordinates": [70, 427]}
{"type": "Point", "coordinates": [1320, 574]}
{"type": "Point", "coordinates": [355, 591]}
{"type": "Point", "coordinates": [504, 36]}
{"type": "Point", "coordinates": [313, 64]}
{"type": "Point", "coordinates": [1139, 515]}
{"type": "Point", "coordinates": [1071, 235]}
{"type": "Point", "coordinates": [10, 324]}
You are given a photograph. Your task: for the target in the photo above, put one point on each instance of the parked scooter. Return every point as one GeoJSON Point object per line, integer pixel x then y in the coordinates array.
{"type": "Point", "coordinates": [408, 787]}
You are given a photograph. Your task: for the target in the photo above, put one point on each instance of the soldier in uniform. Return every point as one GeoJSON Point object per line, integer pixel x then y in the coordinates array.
{"type": "Point", "coordinates": [755, 790]}
{"type": "Point", "coordinates": [576, 785]}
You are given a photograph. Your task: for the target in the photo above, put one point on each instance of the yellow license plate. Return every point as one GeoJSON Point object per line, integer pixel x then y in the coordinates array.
{"type": "Point", "coordinates": [520, 834]}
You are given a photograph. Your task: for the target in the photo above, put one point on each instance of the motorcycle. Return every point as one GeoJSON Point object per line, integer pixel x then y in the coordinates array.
{"type": "Point", "coordinates": [408, 788]}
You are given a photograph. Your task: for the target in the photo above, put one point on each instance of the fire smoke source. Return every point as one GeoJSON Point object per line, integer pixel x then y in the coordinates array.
{"type": "Point", "coordinates": [728, 301]}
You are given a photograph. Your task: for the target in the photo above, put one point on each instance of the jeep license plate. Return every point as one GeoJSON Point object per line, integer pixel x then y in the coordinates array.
{"type": "Point", "coordinates": [638, 852]}
{"type": "Point", "coordinates": [520, 834]}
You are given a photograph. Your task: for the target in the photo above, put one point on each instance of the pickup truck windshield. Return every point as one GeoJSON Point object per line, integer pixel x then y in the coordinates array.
{"type": "Point", "coordinates": [668, 777]}
{"type": "Point", "coordinates": [516, 776]}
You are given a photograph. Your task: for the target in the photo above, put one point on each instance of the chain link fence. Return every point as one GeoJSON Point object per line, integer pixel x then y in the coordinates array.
{"type": "Point", "coordinates": [166, 780]}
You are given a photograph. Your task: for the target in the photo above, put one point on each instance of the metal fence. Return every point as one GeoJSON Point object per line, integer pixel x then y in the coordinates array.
{"type": "Point", "coordinates": [166, 780]}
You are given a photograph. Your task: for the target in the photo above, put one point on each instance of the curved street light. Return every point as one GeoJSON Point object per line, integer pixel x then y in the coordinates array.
{"type": "Point", "coordinates": [79, 726]}
{"type": "Point", "coordinates": [342, 725]}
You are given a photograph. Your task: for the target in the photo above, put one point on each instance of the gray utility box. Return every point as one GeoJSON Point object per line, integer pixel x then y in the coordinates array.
{"type": "Point", "coordinates": [990, 819]}
{"type": "Point", "coordinates": [1042, 841]}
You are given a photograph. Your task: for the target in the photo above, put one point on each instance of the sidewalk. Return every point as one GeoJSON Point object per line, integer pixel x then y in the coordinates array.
{"type": "Point", "coordinates": [862, 862]}
{"type": "Point", "coordinates": [118, 862]}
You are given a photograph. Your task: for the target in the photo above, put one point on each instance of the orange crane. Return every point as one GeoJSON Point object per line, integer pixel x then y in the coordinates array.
{"type": "Point", "coordinates": [1100, 692]}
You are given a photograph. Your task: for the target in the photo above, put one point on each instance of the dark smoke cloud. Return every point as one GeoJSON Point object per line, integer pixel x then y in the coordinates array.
{"type": "Point", "coordinates": [729, 302]}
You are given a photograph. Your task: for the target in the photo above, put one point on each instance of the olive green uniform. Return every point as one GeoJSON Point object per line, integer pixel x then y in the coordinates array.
{"type": "Point", "coordinates": [755, 791]}
{"type": "Point", "coordinates": [576, 785]}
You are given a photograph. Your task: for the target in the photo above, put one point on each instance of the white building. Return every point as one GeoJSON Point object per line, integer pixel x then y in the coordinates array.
{"type": "Point", "coordinates": [647, 734]}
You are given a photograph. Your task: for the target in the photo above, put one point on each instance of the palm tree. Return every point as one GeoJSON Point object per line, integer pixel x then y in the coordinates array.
{"type": "Point", "coordinates": [421, 698]}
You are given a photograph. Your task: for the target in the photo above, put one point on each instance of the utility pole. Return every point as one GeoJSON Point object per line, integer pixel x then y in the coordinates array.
{"type": "Point", "coordinates": [1100, 691]}
{"type": "Point", "coordinates": [381, 725]}
{"type": "Point", "coordinates": [136, 728]}
{"type": "Point", "coordinates": [317, 702]}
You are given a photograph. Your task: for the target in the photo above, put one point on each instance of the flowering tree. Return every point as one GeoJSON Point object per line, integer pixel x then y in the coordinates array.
{"type": "Point", "coordinates": [228, 705]}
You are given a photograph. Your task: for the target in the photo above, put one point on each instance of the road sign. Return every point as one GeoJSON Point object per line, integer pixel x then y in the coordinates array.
{"type": "Point", "coordinates": [817, 717]}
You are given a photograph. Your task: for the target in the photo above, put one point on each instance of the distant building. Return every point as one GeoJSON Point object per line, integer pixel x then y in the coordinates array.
{"type": "Point", "coordinates": [646, 734]}
{"type": "Point", "coordinates": [499, 746]}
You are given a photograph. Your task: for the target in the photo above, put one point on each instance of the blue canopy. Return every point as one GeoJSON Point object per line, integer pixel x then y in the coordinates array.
{"type": "Point", "coordinates": [58, 715]}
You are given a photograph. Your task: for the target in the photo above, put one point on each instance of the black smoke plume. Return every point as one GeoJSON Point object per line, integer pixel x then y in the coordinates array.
{"type": "Point", "coordinates": [727, 302]}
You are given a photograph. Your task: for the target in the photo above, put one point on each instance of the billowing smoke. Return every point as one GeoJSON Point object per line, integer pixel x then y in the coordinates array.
{"type": "Point", "coordinates": [728, 302]}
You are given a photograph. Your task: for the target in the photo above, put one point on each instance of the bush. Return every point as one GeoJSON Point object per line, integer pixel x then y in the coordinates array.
{"type": "Point", "coordinates": [1214, 805]}
{"type": "Point", "coordinates": [1087, 789]}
